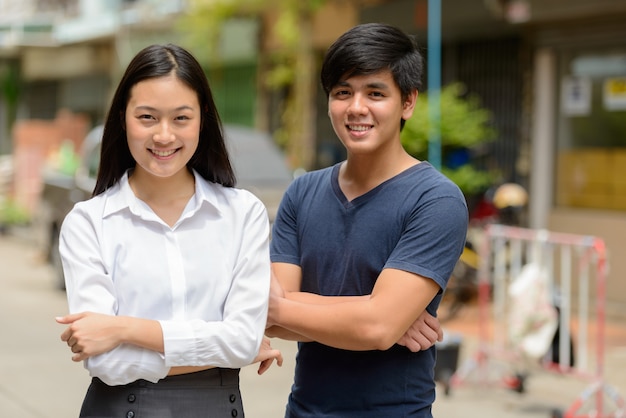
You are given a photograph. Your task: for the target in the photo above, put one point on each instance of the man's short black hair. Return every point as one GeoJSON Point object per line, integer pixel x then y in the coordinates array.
{"type": "Point", "coordinates": [372, 47]}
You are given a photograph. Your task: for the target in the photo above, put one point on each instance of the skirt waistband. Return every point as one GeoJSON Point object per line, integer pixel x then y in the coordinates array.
{"type": "Point", "coordinates": [210, 377]}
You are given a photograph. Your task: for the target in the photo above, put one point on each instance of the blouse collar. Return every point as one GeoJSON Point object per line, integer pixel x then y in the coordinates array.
{"type": "Point", "coordinates": [121, 196]}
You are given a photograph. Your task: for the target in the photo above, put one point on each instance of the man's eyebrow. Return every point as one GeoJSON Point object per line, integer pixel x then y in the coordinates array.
{"type": "Point", "coordinates": [373, 85]}
{"type": "Point", "coordinates": [378, 85]}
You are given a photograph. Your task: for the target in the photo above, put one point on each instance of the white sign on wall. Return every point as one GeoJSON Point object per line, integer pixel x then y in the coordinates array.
{"type": "Point", "coordinates": [575, 96]}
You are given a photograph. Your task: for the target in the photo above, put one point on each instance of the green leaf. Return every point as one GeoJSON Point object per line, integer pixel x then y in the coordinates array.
{"type": "Point", "coordinates": [464, 124]}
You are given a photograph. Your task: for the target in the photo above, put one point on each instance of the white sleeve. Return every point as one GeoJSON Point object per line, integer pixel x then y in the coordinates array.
{"type": "Point", "coordinates": [90, 288]}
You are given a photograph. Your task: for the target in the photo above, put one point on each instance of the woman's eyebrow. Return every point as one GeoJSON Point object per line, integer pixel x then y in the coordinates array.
{"type": "Point", "coordinates": [152, 109]}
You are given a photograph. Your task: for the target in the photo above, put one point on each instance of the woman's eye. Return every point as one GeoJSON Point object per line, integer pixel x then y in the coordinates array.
{"type": "Point", "coordinates": [145, 117]}
{"type": "Point", "coordinates": [182, 117]}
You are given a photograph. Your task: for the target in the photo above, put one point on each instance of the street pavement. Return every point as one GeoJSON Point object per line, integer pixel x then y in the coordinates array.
{"type": "Point", "coordinates": [38, 379]}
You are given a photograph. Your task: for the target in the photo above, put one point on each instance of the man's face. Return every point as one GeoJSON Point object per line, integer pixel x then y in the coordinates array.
{"type": "Point", "coordinates": [366, 110]}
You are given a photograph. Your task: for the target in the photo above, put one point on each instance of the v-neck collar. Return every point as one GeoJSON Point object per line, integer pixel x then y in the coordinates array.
{"type": "Point", "coordinates": [361, 199]}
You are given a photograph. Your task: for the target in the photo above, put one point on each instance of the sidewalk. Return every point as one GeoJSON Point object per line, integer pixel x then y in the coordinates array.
{"type": "Point", "coordinates": [37, 379]}
{"type": "Point", "coordinates": [544, 391]}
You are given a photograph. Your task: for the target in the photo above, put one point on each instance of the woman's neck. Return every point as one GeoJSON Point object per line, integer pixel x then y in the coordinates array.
{"type": "Point", "coordinates": [151, 188]}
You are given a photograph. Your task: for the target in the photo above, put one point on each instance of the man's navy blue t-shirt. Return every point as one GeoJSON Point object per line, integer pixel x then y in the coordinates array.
{"type": "Point", "coordinates": [415, 221]}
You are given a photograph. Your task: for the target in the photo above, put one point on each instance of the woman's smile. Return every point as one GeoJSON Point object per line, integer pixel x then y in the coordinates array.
{"type": "Point", "coordinates": [163, 153]}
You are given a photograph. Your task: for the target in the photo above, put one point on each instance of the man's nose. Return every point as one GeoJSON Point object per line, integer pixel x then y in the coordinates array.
{"type": "Point", "coordinates": [358, 105]}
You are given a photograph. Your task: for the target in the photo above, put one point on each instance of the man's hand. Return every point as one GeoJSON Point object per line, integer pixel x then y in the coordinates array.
{"type": "Point", "coordinates": [422, 334]}
{"type": "Point", "coordinates": [267, 355]}
{"type": "Point", "coordinates": [89, 334]}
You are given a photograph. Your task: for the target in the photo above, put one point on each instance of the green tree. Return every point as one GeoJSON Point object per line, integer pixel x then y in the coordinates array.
{"type": "Point", "coordinates": [289, 66]}
{"type": "Point", "coordinates": [465, 127]}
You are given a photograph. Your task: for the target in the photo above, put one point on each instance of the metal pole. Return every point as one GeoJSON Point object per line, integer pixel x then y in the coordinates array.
{"type": "Point", "coordinates": [434, 82]}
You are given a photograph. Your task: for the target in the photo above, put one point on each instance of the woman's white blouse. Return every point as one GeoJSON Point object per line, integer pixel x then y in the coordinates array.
{"type": "Point", "coordinates": [206, 279]}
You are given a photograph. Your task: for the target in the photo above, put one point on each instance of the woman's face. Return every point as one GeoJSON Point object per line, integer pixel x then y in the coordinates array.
{"type": "Point", "coordinates": [162, 125]}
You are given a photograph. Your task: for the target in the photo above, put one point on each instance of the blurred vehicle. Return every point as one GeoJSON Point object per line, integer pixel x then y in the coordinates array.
{"type": "Point", "coordinates": [259, 166]}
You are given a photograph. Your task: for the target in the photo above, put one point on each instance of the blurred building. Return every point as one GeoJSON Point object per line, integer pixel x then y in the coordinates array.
{"type": "Point", "coordinates": [68, 51]}
{"type": "Point", "coordinates": [59, 60]}
{"type": "Point", "coordinates": [552, 72]}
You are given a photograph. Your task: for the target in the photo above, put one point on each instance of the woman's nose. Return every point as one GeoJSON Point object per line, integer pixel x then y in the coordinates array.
{"type": "Point", "coordinates": [163, 133]}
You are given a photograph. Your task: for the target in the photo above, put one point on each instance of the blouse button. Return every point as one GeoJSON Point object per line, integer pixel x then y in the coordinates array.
{"type": "Point", "coordinates": [232, 398]}
{"type": "Point", "coordinates": [130, 414]}
{"type": "Point", "coordinates": [131, 398]}
{"type": "Point", "coordinates": [233, 413]}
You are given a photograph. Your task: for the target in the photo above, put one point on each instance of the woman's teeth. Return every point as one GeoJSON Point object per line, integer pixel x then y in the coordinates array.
{"type": "Point", "coordinates": [163, 153]}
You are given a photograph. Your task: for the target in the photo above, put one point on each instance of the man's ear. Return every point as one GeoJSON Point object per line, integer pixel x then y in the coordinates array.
{"type": "Point", "coordinates": [409, 105]}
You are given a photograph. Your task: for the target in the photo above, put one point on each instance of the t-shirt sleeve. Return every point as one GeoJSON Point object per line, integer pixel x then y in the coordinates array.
{"type": "Point", "coordinates": [433, 239]}
{"type": "Point", "coordinates": [284, 247]}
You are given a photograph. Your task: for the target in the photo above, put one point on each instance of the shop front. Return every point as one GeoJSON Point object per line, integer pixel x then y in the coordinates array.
{"type": "Point", "coordinates": [578, 181]}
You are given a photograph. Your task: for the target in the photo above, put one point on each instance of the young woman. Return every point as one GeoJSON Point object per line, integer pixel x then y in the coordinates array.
{"type": "Point", "coordinates": [167, 265]}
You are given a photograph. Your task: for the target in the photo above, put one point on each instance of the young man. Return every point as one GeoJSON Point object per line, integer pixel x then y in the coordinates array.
{"type": "Point", "coordinates": [362, 249]}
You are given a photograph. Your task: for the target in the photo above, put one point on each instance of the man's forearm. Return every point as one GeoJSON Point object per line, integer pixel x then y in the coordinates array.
{"type": "Point", "coordinates": [284, 334]}
{"type": "Point", "coordinates": [372, 322]}
{"type": "Point", "coordinates": [345, 325]}
{"type": "Point", "coordinates": [422, 334]}
{"type": "Point", "coordinates": [315, 299]}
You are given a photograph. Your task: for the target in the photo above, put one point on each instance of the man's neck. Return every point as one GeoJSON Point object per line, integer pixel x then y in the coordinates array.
{"type": "Point", "coordinates": [362, 173]}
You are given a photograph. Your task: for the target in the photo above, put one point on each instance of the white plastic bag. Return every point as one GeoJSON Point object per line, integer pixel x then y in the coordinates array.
{"type": "Point", "coordinates": [533, 317]}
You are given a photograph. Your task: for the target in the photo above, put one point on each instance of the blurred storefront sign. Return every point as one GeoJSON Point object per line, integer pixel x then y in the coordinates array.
{"type": "Point", "coordinates": [576, 96]}
{"type": "Point", "coordinates": [615, 93]}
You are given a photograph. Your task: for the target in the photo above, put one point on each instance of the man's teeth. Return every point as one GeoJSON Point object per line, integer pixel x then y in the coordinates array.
{"type": "Point", "coordinates": [163, 153]}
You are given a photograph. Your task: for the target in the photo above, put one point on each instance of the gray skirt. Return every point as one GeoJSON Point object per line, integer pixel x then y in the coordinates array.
{"type": "Point", "coordinates": [212, 393]}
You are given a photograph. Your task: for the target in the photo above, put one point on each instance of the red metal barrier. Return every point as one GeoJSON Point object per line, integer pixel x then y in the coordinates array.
{"type": "Point", "coordinates": [576, 268]}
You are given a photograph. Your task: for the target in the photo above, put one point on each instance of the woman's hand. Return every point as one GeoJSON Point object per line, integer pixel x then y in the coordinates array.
{"type": "Point", "coordinates": [422, 334]}
{"type": "Point", "coordinates": [89, 334]}
{"type": "Point", "coordinates": [267, 355]}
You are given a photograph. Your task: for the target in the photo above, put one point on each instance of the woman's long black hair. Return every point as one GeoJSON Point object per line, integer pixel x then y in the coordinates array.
{"type": "Point", "coordinates": [210, 160]}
